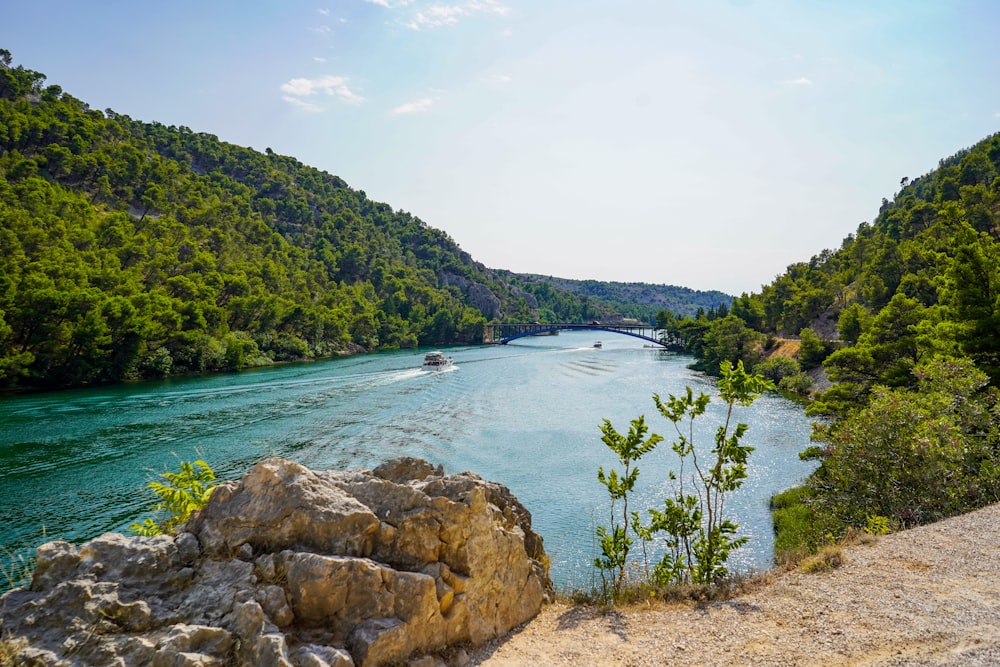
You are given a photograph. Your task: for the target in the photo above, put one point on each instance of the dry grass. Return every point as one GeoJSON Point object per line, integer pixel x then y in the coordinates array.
{"type": "Point", "coordinates": [789, 560]}
{"type": "Point", "coordinates": [15, 569]}
{"type": "Point", "coordinates": [784, 348]}
{"type": "Point", "coordinates": [828, 558]}
{"type": "Point", "coordinates": [855, 536]}
{"type": "Point", "coordinates": [641, 593]}
{"type": "Point", "coordinates": [8, 651]}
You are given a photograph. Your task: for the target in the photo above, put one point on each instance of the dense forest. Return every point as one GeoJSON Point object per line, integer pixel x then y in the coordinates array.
{"type": "Point", "coordinates": [137, 250]}
{"type": "Point", "coordinates": [641, 301]}
{"type": "Point", "coordinates": [901, 327]}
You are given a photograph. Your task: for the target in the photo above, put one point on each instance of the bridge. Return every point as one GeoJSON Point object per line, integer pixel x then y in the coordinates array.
{"type": "Point", "coordinates": [502, 333]}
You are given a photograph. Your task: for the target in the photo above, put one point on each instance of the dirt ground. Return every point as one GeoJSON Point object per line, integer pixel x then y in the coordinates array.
{"type": "Point", "coordinates": [927, 596]}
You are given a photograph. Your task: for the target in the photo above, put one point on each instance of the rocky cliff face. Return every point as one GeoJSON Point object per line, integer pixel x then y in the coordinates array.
{"type": "Point", "coordinates": [294, 568]}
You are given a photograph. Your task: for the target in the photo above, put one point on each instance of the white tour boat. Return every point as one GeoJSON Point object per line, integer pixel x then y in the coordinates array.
{"type": "Point", "coordinates": [435, 361]}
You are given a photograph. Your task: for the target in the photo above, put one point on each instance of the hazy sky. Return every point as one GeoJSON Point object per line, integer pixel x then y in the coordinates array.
{"type": "Point", "coordinates": [704, 143]}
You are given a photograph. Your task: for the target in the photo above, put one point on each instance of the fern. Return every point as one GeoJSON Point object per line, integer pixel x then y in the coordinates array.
{"type": "Point", "coordinates": [179, 494]}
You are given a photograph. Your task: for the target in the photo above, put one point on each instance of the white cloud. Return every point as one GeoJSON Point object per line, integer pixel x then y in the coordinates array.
{"type": "Point", "coordinates": [801, 81]}
{"type": "Point", "coordinates": [324, 12]}
{"type": "Point", "coordinates": [489, 6]}
{"type": "Point", "coordinates": [319, 59]}
{"type": "Point", "coordinates": [323, 29]}
{"type": "Point", "coordinates": [302, 104]}
{"type": "Point", "coordinates": [335, 86]}
{"type": "Point", "coordinates": [439, 14]}
{"type": "Point", "coordinates": [502, 79]}
{"type": "Point", "coordinates": [417, 106]}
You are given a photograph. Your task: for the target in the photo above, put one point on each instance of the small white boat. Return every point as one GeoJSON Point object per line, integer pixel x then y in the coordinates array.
{"type": "Point", "coordinates": [598, 344]}
{"type": "Point", "coordinates": [435, 361]}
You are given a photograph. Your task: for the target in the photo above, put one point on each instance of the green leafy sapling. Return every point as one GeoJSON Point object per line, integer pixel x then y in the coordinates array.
{"type": "Point", "coordinates": [616, 542]}
{"type": "Point", "coordinates": [180, 494]}
{"type": "Point", "coordinates": [700, 537]}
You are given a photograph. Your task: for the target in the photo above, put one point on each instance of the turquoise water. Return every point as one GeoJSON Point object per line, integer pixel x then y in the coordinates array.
{"type": "Point", "coordinates": [73, 464]}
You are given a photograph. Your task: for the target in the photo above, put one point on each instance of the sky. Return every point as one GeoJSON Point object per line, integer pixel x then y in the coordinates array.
{"type": "Point", "coordinates": [705, 144]}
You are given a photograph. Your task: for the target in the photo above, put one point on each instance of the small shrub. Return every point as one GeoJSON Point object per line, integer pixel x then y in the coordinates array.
{"type": "Point", "coordinates": [829, 557]}
{"type": "Point", "coordinates": [156, 363]}
{"type": "Point", "coordinates": [789, 497]}
{"type": "Point", "coordinates": [799, 383]}
{"type": "Point", "coordinates": [799, 530]}
{"type": "Point", "coordinates": [616, 542]}
{"type": "Point", "coordinates": [855, 536]}
{"type": "Point", "coordinates": [878, 525]}
{"type": "Point", "coordinates": [776, 369]}
{"type": "Point", "coordinates": [184, 492]}
{"type": "Point", "coordinates": [793, 533]}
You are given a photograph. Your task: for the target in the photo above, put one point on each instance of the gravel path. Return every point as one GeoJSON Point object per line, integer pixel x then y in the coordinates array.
{"type": "Point", "coordinates": [926, 596]}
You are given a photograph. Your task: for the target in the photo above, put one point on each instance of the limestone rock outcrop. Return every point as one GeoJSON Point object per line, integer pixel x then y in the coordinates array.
{"type": "Point", "coordinates": [292, 567]}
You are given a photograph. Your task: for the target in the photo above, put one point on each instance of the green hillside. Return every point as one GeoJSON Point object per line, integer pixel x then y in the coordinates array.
{"type": "Point", "coordinates": [136, 250]}
{"type": "Point", "coordinates": [921, 281]}
{"type": "Point", "coordinates": [903, 320]}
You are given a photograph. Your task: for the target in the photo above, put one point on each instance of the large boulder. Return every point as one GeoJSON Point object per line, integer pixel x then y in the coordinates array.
{"type": "Point", "coordinates": [293, 567]}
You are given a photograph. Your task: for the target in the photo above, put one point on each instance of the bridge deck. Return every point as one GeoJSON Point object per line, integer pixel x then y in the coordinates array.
{"type": "Point", "coordinates": [502, 333]}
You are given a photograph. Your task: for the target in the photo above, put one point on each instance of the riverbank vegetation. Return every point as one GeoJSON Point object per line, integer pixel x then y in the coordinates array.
{"type": "Point", "coordinates": [898, 337]}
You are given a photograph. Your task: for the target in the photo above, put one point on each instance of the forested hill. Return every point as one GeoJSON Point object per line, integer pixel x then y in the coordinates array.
{"type": "Point", "coordinates": [904, 319]}
{"type": "Point", "coordinates": [135, 250]}
{"type": "Point", "coordinates": [922, 280]}
{"type": "Point", "coordinates": [911, 428]}
{"type": "Point", "coordinates": [637, 300]}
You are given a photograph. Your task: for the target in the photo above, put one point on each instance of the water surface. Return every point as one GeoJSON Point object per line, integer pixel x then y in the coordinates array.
{"type": "Point", "coordinates": [73, 464]}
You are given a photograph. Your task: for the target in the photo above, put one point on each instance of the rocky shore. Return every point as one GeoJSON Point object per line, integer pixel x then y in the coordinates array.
{"type": "Point", "coordinates": [406, 566]}
{"type": "Point", "coordinates": [291, 567]}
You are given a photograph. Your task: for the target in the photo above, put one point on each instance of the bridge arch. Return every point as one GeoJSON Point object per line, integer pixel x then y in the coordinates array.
{"type": "Point", "coordinates": [503, 333]}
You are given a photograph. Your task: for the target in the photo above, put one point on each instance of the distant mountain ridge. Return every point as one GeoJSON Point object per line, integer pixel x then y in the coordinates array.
{"type": "Point", "coordinates": [640, 300]}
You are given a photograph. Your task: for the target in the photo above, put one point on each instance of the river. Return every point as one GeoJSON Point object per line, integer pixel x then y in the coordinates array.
{"type": "Point", "coordinates": [73, 464]}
